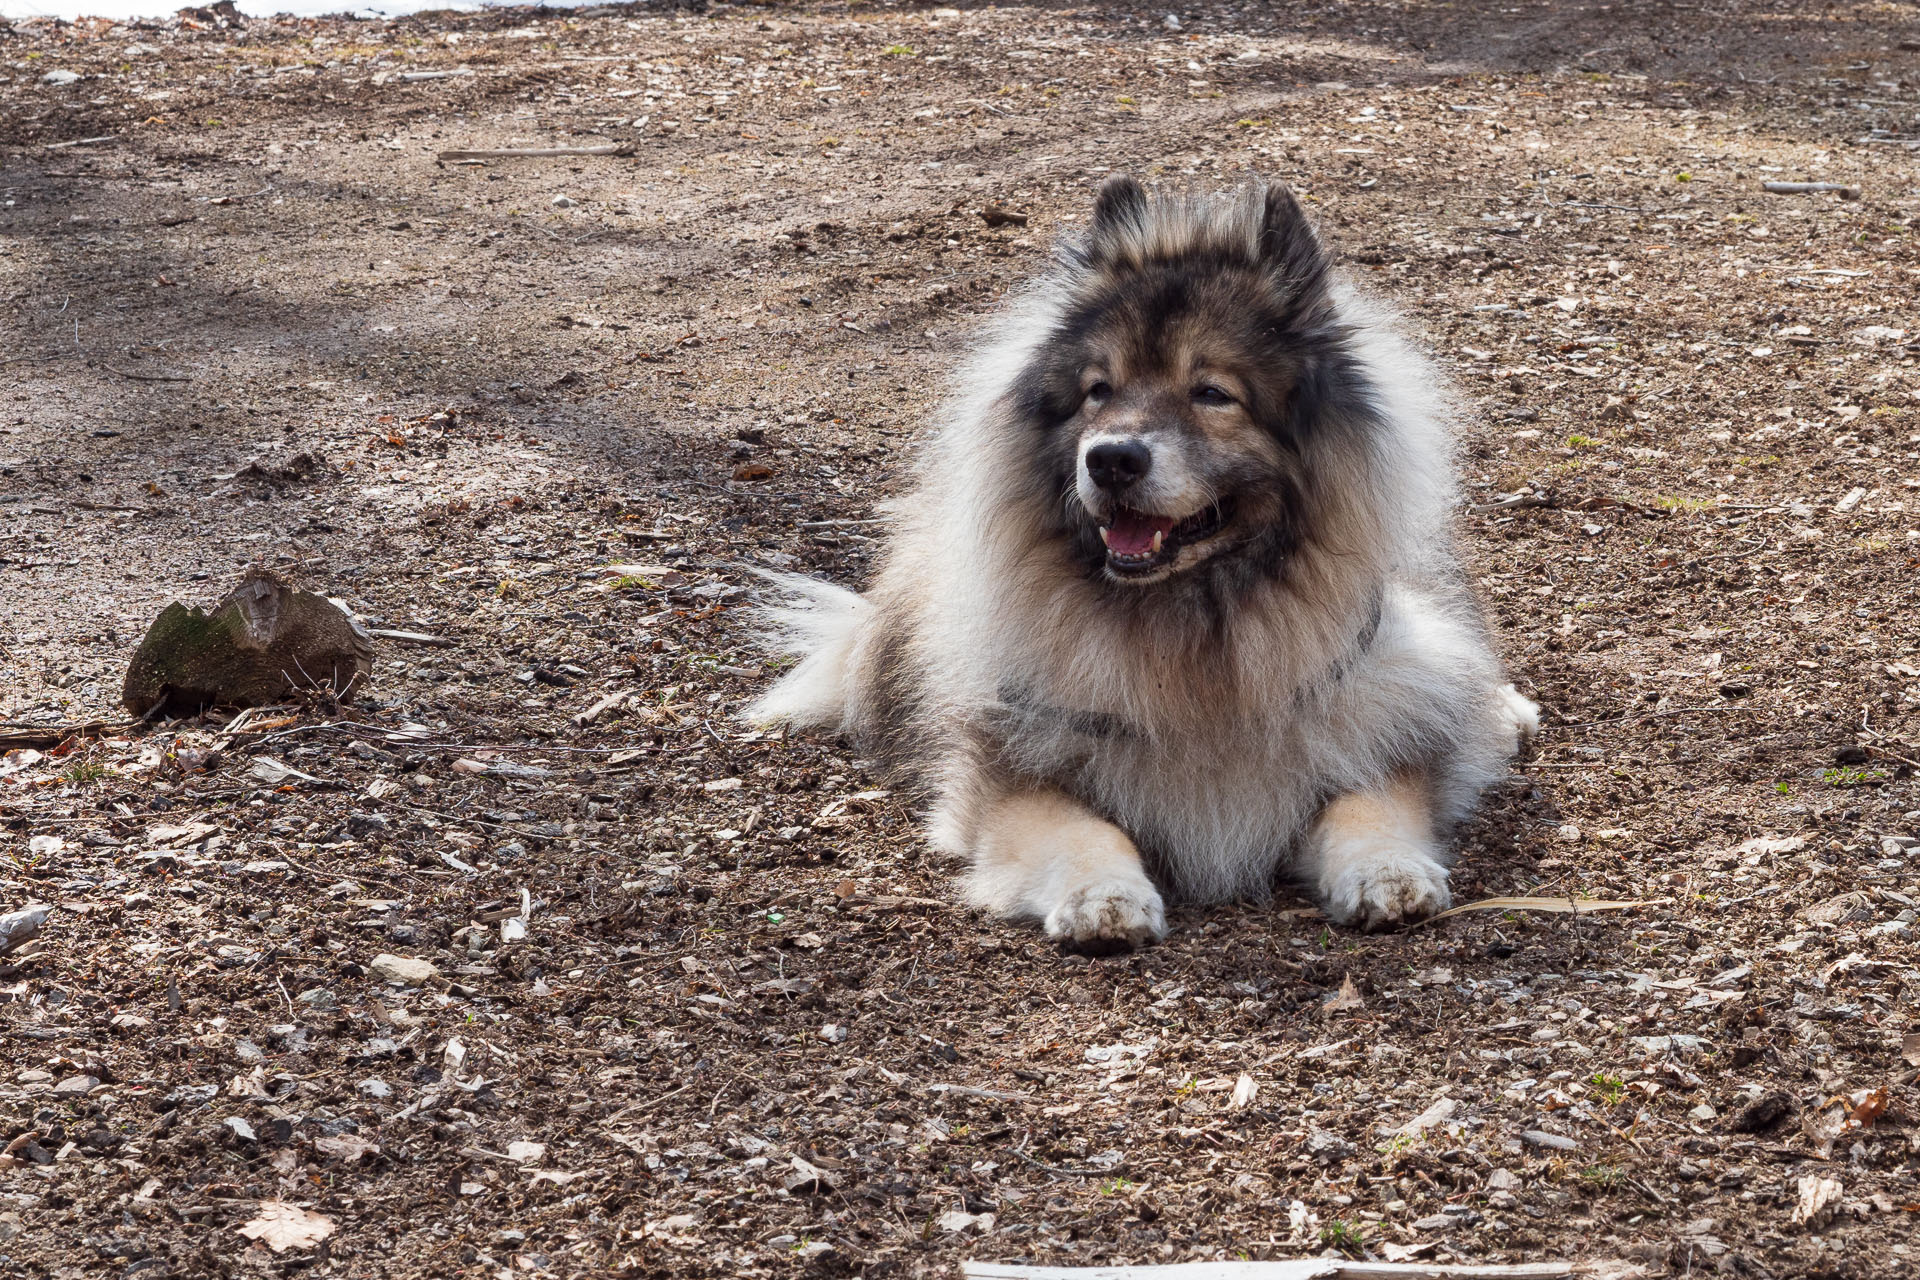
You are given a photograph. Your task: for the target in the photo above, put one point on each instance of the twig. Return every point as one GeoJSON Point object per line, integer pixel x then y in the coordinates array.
{"type": "Point", "coordinates": [35, 736]}
{"type": "Point", "coordinates": [339, 875]}
{"type": "Point", "coordinates": [1844, 191]}
{"type": "Point", "coordinates": [1882, 751]}
{"type": "Point", "coordinates": [1057, 1170]}
{"type": "Point", "coordinates": [1513, 502]}
{"type": "Point", "coordinates": [149, 377]}
{"type": "Point", "coordinates": [995, 1095]}
{"type": "Point", "coordinates": [1644, 715]}
{"type": "Point", "coordinates": [509, 153]}
{"type": "Point", "coordinates": [641, 1108]}
{"type": "Point", "coordinates": [1298, 1269]}
{"type": "Point", "coordinates": [1591, 204]}
{"type": "Point", "coordinates": [412, 637]}
{"type": "Point", "coordinates": [81, 142]}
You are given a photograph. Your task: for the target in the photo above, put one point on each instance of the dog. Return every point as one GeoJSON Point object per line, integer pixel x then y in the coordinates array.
{"type": "Point", "coordinates": [1173, 604]}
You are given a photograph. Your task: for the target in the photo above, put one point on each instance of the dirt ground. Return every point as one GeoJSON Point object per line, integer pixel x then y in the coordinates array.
{"type": "Point", "coordinates": [701, 1005]}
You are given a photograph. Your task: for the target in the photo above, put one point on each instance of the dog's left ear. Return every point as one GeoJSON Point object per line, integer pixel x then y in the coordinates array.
{"type": "Point", "coordinates": [1289, 244]}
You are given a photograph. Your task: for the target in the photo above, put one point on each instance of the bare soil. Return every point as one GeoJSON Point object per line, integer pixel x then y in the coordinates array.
{"type": "Point", "coordinates": [250, 318]}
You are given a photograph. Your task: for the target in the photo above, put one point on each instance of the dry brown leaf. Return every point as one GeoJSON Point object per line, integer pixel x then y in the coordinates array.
{"type": "Point", "coordinates": [1565, 906]}
{"type": "Point", "coordinates": [1910, 1048]}
{"type": "Point", "coordinates": [281, 1226]}
{"type": "Point", "coordinates": [1348, 997]}
{"type": "Point", "coordinates": [1870, 1107]}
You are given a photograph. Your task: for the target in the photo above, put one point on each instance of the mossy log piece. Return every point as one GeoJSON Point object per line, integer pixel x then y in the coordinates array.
{"type": "Point", "coordinates": [263, 641]}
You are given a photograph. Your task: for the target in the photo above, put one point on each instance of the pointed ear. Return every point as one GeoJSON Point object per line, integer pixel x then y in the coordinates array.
{"type": "Point", "coordinates": [1122, 202]}
{"type": "Point", "coordinates": [1288, 243]}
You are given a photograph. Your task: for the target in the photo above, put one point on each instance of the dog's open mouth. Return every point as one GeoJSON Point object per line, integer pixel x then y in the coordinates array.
{"type": "Point", "coordinates": [1139, 543]}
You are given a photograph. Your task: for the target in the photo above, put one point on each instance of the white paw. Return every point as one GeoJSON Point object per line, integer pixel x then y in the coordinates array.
{"type": "Point", "coordinates": [1522, 712]}
{"type": "Point", "coordinates": [1108, 915]}
{"type": "Point", "coordinates": [1382, 883]}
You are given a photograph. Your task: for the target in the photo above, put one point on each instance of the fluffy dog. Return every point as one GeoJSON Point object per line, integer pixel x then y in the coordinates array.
{"type": "Point", "coordinates": [1174, 601]}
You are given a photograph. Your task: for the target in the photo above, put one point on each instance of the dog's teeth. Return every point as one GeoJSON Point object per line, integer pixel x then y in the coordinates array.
{"type": "Point", "coordinates": [1156, 542]}
{"type": "Point", "coordinates": [1105, 541]}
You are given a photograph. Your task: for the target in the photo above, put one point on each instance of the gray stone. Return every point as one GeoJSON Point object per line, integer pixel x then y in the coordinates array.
{"type": "Point", "coordinates": [408, 971]}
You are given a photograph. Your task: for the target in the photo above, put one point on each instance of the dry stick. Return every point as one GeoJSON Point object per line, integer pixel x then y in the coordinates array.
{"type": "Point", "coordinates": [1300, 1269]}
{"type": "Point", "coordinates": [1513, 502]}
{"type": "Point", "coordinates": [1645, 715]}
{"type": "Point", "coordinates": [412, 637]}
{"type": "Point", "coordinates": [967, 1090]}
{"type": "Point", "coordinates": [340, 875]}
{"type": "Point", "coordinates": [510, 153]}
{"type": "Point", "coordinates": [22, 735]}
{"type": "Point", "coordinates": [1056, 1169]}
{"type": "Point", "coordinates": [1811, 189]}
{"type": "Point", "coordinates": [641, 1108]}
{"type": "Point", "coordinates": [1882, 751]}
{"type": "Point", "coordinates": [149, 377]}
{"type": "Point", "coordinates": [81, 142]}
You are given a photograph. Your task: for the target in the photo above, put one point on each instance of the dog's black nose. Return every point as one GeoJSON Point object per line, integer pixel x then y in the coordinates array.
{"type": "Point", "coordinates": [1118, 463]}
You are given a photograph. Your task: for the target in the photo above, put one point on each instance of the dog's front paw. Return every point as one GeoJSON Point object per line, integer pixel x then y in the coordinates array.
{"type": "Point", "coordinates": [1381, 884]}
{"type": "Point", "coordinates": [1108, 915]}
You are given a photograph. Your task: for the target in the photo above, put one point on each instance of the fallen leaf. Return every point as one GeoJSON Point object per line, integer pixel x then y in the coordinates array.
{"type": "Point", "coordinates": [281, 1226]}
{"type": "Point", "coordinates": [1869, 1107]}
{"type": "Point", "coordinates": [350, 1147]}
{"type": "Point", "coordinates": [1816, 1198]}
{"type": "Point", "coordinates": [1348, 997]}
{"type": "Point", "coordinates": [960, 1220]}
{"type": "Point", "coordinates": [807, 1178]}
{"type": "Point", "coordinates": [1824, 1128]}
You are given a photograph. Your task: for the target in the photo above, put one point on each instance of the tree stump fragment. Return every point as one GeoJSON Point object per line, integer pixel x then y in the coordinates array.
{"type": "Point", "coordinates": [265, 640]}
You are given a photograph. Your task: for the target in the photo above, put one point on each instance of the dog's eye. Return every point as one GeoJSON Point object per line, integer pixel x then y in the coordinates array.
{"type": "Point", "coordinates": [1098, 392]}
{"type": "Point", "coordinates": [1211, 395]}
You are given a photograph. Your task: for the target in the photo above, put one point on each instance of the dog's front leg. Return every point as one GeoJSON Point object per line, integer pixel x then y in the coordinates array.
{"type": "Point", "coordinates": [1044, 856]}
{"type": "Point", "coordinates": [1373, 857]}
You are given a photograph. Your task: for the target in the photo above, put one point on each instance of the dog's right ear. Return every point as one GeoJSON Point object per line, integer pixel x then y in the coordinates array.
{"type": "Point", "coordinates": [1119, 219]}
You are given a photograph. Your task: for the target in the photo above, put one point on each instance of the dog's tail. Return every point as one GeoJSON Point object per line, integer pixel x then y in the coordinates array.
{"type": "Point", "coordinates": [819, 624]}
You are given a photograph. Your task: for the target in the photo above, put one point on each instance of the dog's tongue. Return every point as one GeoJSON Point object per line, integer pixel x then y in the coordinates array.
{"type": "Point", "coordinates": [1131, 533]}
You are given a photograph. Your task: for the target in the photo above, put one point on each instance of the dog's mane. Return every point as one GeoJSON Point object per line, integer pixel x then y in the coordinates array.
{"type": "Point", "coordinates": [1383, 488]}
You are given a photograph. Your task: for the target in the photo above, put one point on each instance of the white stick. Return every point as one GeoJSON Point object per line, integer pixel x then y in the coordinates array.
{"type": "Point", "coordinates": [411, 637]}
{"type": "Point", "coordinates": [1811, 189]}
{"type": "Point", "coordinates": [1309, 1269]}
{"type": "Point", "coordinates": [506, 153]}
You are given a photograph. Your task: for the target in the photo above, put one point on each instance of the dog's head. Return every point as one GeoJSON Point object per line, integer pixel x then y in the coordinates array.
{"type": "Point", "coordinates": [1195, 355]}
